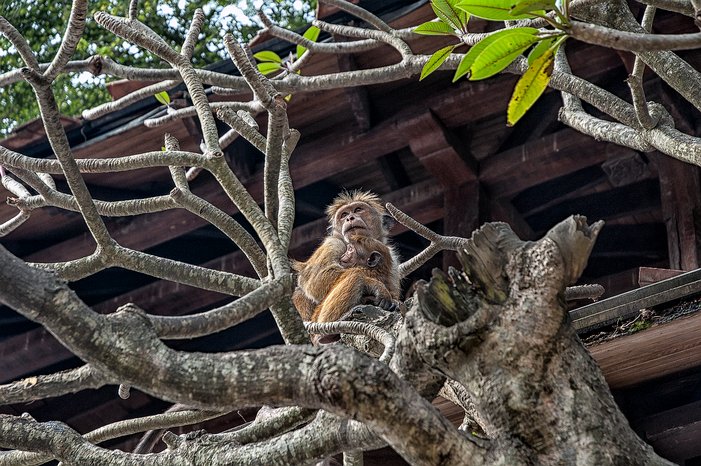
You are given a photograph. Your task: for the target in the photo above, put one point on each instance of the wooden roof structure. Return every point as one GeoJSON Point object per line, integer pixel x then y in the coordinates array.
{"type": "Point", "coordinates": [440, 151]}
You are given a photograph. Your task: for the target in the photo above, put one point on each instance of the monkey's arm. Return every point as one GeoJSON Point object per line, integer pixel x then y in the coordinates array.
{"type": "Point", "coordinates": [322, 269]}
{"type": "Point", "coordinates": [317, 276]}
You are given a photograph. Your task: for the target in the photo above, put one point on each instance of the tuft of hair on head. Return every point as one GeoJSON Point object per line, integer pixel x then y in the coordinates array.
{"type": "Point", "coordinates": [357, 195]}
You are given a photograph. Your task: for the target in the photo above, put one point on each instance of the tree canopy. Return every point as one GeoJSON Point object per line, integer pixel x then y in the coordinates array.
{"type": "Point", "coordinates": [44, 23]}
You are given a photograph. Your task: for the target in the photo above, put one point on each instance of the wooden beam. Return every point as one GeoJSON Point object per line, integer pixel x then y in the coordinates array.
{"type": "Point", "coordinates": [655, 352]}
{"type": "Point", "coordinates": [440, 151]}
{"type": "Point", "coordinates": [678, 444]}
{"type": "Point", "coordinates": [507, 173]}
{"type": "Point", "coordinates": [501, 210]}
{"type": "Point", "coordinates": [680, 193]}
{"type": "Point", "coordinates": [674, 433]}
{"type": "Point", "coordinates": [539, 119]}
{"type": "Point", "coordinates": [357, 96]}
{"type": "Point", "coordinates": [649, 275]}
{"type": "Point", "coordinates": [394, 171]}
{"type": "Point", "coordinates": [615, 283]}
{"type": "Point", "coordinates": [638, 197]}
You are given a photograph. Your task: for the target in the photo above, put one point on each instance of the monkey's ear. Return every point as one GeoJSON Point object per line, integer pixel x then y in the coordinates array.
{"type": "Point", "coordinates": [374, 259]}
{"type": "Point", "coordinates": [387, 222]}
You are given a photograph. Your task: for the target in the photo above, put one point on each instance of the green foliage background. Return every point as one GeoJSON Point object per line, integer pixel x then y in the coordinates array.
{"type": "Point", "coordinates": [42, 22]}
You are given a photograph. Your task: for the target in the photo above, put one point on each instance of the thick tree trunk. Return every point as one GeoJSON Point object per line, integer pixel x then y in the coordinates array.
{"type": "Point", "coordinates": [506, 337]}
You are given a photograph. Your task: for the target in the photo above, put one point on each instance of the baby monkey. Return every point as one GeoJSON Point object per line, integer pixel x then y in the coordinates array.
{"type": "Point", "coordinates": [362, 279]}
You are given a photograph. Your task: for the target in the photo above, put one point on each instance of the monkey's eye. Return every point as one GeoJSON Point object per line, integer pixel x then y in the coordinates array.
{"type": "Point", "coordinates": [358, 210]}
{"type": "Point", "coordinates": [343, 215]}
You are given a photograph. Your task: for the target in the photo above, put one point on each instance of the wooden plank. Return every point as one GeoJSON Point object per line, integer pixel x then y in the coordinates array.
{"type": "Point", "coordinates": [671, 419]}
{"type": "Point", "coordinates": [619, 282]}
{"type": "Point", "coordinates": [678, 444]}
{"type": "Point", "coordinates": [357, 96]}
{"type": "Point", "coordinates": [628, 304]}
{"type": "Point", "coordinates": [649, 275]}
{"type": "Point", "coordinates": [674, 433]}
{"type": "Point", "coordinates": [658, 351]}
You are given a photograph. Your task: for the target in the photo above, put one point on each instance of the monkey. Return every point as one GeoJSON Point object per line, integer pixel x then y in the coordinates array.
{"type": "Point", "coordinates": [366, 267]}
{"type": "Point", "coordinates": [359, 252]}
{"type": "Point", "coordinates": [355, 213]}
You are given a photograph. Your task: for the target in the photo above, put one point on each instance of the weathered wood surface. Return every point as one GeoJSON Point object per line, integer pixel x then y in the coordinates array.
{"type": "Point", "coordinates": [660, 350]}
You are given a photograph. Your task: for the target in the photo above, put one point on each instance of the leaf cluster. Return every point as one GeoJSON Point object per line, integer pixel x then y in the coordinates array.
{"type": "Point", "coordinates": [498, 50]}
{"type": "Point", "coordinates": [270, 62]}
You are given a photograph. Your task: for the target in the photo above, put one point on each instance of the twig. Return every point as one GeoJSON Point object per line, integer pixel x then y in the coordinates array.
{"type": "Point", "coordinates": [357, 328]}
{"type": "Point", "coordinates": [16, 39]}
{"type": "Point", "coordinates": [382, 36]}
{"type": "Point", "coordinates": [438, 242]}
{"type": "Point", "coordinates": [635, 80]}
{"type": "Point", "coordinates": [121, 429]}
{"type": "Point", "coordinates": [51, 385]}
{"type": "Point", "coordinates": [286, 192]}
{"type": "Point", "coordinates": [13, 159]}
{"type": "Point", "coordinates": [632, 41]}
{"type": "Point", "coordinates": [76, 25]}
{"type": "Point", "coordinates": [238, 124]}
{"type": "Point", "coordinates": [361, 13]}
{"type": "Point", "coordinates": [135, 96]}
{"type": "Point", "coordinates": [207, 323]}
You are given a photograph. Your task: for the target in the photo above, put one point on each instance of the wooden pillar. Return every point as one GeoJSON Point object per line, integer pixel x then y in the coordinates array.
{"type": "Point", "coordinates": [680, 191]}
{"type": "Point", "coordinates": [462, 215]}
{"type": "Point", "coordinates": [444, 156]}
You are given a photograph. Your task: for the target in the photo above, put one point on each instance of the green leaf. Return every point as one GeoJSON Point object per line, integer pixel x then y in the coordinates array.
{"type": "Point", "coordinates": [267, 56]}
{"type": "Point", "coordinates": [494, 10]}
{"type": "Point", "coordinates": [435, 28]}
{"type": "Point", "coordinates": [162, 97]}
{"type": "Point", "coordinates": [478, 48]}
{"type": "Point", "coordinates": [436, 60]}
{"type": "Point", "coordinates": [530, 87]}
{"type": "Point", "coordinates": [288, 97]}
{"type": "Point", "coordinates": [448, 13]}
{"type": "Point", "coordinates": [498, 54]}
{"type": "Point", "coordinates": [540, 48]}
{"type": "Point", "coordinates": [463, 67]}
{"type": "Point", "coordinates": [312, 34]}
{"type": "Point", "coordinates": [268, 67]}
{"type": "Point", "coordinates": [527, 6]}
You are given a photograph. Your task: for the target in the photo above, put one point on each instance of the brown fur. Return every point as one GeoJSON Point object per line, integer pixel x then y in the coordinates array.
{"type": "Point", "coordinates": [360, 282]}
{"type": "Point", "coordinates": [356, 213]}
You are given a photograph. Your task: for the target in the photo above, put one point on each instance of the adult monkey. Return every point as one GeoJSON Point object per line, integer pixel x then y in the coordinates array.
{"type": "Point", "coordinates": [357, 213]}
{"type": "Point", "coordinates": [367, 265]}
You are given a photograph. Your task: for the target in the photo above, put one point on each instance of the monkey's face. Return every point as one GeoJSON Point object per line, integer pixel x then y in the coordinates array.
{"type": "Point", "coordinates": [358, 218]}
